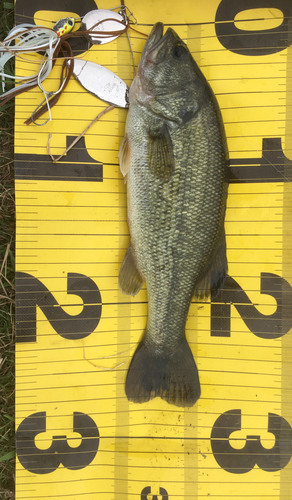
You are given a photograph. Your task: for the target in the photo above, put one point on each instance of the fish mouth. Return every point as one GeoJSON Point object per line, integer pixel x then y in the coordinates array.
{"type": "Point", "coordinates": [157, 44]}
{"type": "Point", "coordinates": [154, 37]}
{"type": "Point", "coordinates": [157, 49]}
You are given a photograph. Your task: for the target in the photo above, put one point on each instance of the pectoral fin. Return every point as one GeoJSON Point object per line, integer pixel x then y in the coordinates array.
{"type": "Point", "coordinates": [160, 153]}
{"type": "Point", "coordinates": [124, 156]}
{"type": "Point", "coordinates": [130, 279]}
{"type": "Point", "coordinates": [213, 280]}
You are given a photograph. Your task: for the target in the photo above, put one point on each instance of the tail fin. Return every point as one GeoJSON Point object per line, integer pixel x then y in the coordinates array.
{"type": "Point", "coordinates": [172, 375]}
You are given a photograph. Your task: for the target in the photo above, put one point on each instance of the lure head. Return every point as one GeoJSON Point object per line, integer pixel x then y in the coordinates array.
{"type": "Point", "coordinates": [64, 26]}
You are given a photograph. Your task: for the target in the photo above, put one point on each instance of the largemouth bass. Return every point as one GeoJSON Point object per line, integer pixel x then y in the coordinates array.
{"type": "Point", "coordinates": [174, 159]}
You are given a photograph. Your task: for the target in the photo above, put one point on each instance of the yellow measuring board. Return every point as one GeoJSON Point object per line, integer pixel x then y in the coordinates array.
{"type": "Point", "coordinates": [78, 437]}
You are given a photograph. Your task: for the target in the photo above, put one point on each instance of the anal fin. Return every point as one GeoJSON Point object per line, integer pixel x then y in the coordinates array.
{"type": "Point", "coordinates": [130, 279]}
{"type": "Point", "coordinates": [213, 280]}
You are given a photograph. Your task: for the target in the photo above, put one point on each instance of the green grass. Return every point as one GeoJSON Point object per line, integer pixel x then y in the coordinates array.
{"type": "Point", "coordinates": [7, 274]}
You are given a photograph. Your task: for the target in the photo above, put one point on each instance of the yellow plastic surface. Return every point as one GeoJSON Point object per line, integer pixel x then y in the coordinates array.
{"type": "Point", "coordinates": [71, 226]}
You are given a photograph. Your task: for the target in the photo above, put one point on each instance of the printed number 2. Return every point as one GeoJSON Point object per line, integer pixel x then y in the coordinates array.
{"type": "Point", "coordinates": [45, 461]}
{"type": "Point", "coordinates": [253, 453]}
{"type": "Point", "coordinates": [31, 292]}
{"type": "Point", "coordinates": [264, 326]}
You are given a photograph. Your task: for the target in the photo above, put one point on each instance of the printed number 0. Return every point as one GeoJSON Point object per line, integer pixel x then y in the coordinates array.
{"type": "Point", "coordinates": [253, 453]}
{"type": "Point", "coordinates": [257, 42]}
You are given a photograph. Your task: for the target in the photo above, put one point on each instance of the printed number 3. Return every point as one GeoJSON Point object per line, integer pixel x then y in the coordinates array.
{"type": "Point", "coordinates": [253, 453]}
{"type": "Point", "coordinates": [45, 461]}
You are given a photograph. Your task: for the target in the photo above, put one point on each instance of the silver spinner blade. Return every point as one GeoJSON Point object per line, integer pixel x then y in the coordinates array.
{"type": "Point", "coordinates": [100, 16]}
{"type": "Point", "coordinates": [101, 82]}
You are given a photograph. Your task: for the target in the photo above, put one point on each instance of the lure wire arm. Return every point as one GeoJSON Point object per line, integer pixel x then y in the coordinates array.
{"type": "Point", "coordinates": [28, 38]}
{"type": "Point", "coordinates": [66, 73]}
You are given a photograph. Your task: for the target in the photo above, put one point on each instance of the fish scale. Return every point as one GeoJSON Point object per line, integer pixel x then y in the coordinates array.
{"type": "Point", "coordinates": [175, 162]}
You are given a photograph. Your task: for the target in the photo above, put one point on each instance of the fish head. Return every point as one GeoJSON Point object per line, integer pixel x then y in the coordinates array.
{"type": "Point", "coordinates": [168, 79]}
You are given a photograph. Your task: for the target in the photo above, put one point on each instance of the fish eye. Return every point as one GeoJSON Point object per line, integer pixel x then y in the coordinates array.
{"type": "Point", "coordinates": [179, 51]}
{"type": "Point", "coordinates": [70, 22]}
